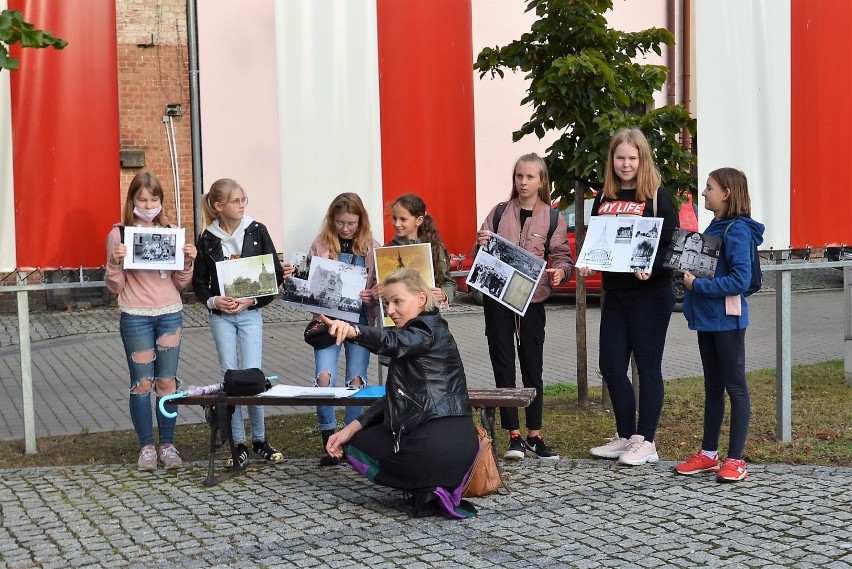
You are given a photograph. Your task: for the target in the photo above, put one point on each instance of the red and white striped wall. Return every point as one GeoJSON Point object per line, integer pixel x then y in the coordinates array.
{"type": "Point", "coordinates": [59, 170]}
{"type": "Point", "coordinates": [773, 82]}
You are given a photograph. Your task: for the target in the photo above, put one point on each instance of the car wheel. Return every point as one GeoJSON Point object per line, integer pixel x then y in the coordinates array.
{"type": "Point", "coordinates": [679, 288]}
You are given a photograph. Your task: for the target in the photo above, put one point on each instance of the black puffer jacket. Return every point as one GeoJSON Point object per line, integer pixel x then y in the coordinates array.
{"type": "Point", "coordinates": [425, 379]}
{"type": "Point", "coordinates": [205, 282]}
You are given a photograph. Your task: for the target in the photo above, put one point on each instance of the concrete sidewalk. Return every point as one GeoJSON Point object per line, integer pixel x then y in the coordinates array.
{"type": "Point", "coordinates": [571, 513]}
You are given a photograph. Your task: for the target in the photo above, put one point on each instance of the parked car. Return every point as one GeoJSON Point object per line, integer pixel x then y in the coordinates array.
{"type": "Point", "coordinates": [460, 263]}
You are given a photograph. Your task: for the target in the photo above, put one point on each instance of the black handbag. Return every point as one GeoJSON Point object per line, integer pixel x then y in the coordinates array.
{"type": "Point", "coordinates": [317, 336]}
{"type": "Point", "coordinates": [243, 382]}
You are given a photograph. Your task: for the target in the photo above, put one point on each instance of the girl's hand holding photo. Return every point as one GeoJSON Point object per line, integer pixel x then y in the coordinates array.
{"type": "Point", "coordinates": [482, 237]}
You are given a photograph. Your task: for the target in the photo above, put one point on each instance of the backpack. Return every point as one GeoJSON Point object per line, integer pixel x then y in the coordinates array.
{"type": "Point", "coordinates": [756, 275]}
{"type": "Point", "coordinates": [554, 219]}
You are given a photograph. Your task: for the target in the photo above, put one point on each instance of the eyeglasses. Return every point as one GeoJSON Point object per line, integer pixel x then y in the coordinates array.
{"type": "Point", "coordinates": [345, 224]}
{"type": "Point", "coordinates": [239, 201]}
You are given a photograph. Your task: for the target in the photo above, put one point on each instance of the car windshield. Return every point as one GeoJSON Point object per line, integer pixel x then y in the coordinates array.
{"type": "Point", "coordinates": [570, 215]}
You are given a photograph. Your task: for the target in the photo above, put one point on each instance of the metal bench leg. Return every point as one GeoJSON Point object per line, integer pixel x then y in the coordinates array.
{"type": "Point", "coordinates": [214, 428]}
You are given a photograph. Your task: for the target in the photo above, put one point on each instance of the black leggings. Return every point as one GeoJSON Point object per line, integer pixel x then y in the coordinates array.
{"type": "Point", "coordinates": [500, 323]}
{"type": "Point", "coordinates": [635, 321]}
{"type": "Point", "coordinates": [723, 358]}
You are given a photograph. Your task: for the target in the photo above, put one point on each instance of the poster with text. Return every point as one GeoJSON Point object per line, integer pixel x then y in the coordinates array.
{"type": "Point", "coordinates": [620, 244]}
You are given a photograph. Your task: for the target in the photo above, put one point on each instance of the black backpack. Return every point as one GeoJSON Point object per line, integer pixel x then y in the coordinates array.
{"type": "Point", "coordinates": [554, 219]}
{"type": "Point", "coordinates": [756, 275]}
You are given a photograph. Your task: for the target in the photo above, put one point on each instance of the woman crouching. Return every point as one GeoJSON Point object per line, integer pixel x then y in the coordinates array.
{"type": "Point", "coordinates": [420, 436]}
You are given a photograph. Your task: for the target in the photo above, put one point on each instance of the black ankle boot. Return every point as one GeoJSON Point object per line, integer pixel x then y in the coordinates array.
{"type": "Point", "coordinates": [425, 504]}
{"type": "Point", "coordinates": [327, 459]}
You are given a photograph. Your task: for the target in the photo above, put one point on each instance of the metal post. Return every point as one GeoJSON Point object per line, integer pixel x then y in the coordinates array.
{"type": "Point", "coordinates": [26, 368]}
{"type": "Point", "coordinates": [195, 111]}
{"type": "Point", "coordinates": [783, 356]}
{"type": "Point", "coordinates": [847, 318]}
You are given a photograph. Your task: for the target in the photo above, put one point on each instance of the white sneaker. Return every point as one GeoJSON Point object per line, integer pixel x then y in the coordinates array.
{"type": "Point", "coordinates": [640, 452]}
{"type": "Point", "coordinates": [613, 449]}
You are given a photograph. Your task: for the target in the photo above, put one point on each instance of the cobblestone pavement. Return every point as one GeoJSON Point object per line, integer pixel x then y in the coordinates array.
{"type": "Point", "coordinates": [569, 514]}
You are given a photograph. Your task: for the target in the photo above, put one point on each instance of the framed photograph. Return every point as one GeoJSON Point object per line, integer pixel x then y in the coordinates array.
{"type": "Point", "coordinates": [159, 248]}
{"type": "Point", "coordinates": [325, 286]}
{"type": "Point", "coordinates": [620, 244]}
{"type": "Point", "coordinates": [506, 272]}
{"type": "Point", "coordinates": [393, 257]}
{"type": "Point", "coordinates": [247, 277]}
{"type": "Point", "coordinates": [694, 252]}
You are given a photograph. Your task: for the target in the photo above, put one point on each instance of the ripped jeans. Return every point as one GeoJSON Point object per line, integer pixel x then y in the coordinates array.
{"type": "Point", "coordinates": [357, 360]}
{"type": "Point", "coordinates": [152, 347]}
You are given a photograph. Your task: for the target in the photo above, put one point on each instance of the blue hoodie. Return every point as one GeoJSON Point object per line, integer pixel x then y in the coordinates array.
{"type": "Point", "coordinates": [704, 305]}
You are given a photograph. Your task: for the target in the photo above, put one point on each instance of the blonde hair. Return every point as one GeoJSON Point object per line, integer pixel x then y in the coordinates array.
{"type": "Point", "coordinates": [346, 202]}
{"type": "Point", "coordinates": [141, 181]}
{"type": "Point", "coordinates": [647, 177]}
{"type": "Point", "coordinates": [220, 192]}
{"type": "Point", "coordinates": [544, 190]}
{"type": "Point", "coordinates": [414, 283]}
{"type": "Point", "coordinates": [739, 202]}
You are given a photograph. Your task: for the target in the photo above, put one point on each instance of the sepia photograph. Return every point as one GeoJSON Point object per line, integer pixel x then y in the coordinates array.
{"type": "Point", "coordinates": [393, 257]}
{"type": "Point", "coordinates": [331, 287]}
{"type": "Point", "coordinates": [247, 277]}
{"type": "Point", "coordinates": [154, 248]}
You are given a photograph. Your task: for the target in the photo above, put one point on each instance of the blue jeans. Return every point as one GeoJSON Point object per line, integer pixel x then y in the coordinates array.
{"type": "Point", "coordinates": [243, 331]}
{"type": "Point", "coordinates": [152, 348]}
{"type": "Point", "coordinates": [635, 321]}
{"type": "Point", "coordinates": [357, 361]}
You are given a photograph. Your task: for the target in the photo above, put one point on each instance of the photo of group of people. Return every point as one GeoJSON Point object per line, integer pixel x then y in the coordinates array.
{"type": "Point", "coordinates": [506, 272]}
{"type": "Point", "coordinates": [325, 286]}
{"type": "Point", "coordinates": [154, 248]}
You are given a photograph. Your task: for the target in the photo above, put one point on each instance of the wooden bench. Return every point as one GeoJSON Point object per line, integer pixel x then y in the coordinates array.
{"type": "Point", "coordinates": [486, 400]}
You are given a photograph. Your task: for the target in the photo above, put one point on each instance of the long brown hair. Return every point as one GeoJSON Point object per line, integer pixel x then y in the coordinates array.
{"type": "Point", "coordinates": [144, 180]}
{"type": "Point", "coordinates": [347, 202]}
{"type": "Point", "coordinates": [426, 232]}
{"type": "Point", "coordinates": [647, 176]}
{"type": "Point", "coordinates": [738, 202]}
{"type": "Point", "coordinates": [544, 190]}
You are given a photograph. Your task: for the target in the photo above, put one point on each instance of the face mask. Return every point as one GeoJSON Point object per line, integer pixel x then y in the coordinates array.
{"type": "Point", "coordinates": [147, 214]}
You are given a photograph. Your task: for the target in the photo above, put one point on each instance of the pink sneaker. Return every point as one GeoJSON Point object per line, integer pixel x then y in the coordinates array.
{"type": "Point", "coordinates": [732, 470]}
{"type": "Point", "coordinates": [147, 458]}
{"type": "Point", "coordinates": [698, 463]}
{"type": "Point", "coordinates": [613, 449]}
{"type": "Point", "coordinates": [639, 452]}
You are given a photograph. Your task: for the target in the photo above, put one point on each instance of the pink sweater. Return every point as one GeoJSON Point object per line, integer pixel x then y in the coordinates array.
{"type": "Point", "coordinates": [144, 288]}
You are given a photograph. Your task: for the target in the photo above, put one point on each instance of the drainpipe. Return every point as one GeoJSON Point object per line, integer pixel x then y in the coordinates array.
{"type": "Point", "coordinates": [195, 112]}
{"type": "Point", "coordinates": [671, 54]}
{"type": "Point", "coordinates": [686, 136]}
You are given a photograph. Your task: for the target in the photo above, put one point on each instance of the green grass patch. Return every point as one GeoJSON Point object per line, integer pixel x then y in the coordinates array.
{"type": "Point", "coordinates": [822, 427]}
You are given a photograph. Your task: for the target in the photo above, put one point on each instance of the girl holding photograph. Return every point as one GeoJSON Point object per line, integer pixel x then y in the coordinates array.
{"type": "Point", "coordinates": [236, 322]}
{"type": "Point", "coordinates": [151, 322]}
{"type": "Point", "coordinates": [413, 224]}
{"type": "Point", "coordinates": [345, 236]}
{"type": "Point", "coordinates": [717, 309]}
{"type": "Point", "coordinates": [637, 306]}
{"type": "Point", "coordinates": [526, 221]}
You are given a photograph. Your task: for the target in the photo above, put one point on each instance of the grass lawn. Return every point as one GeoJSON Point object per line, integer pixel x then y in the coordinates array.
{"type": "Point", "coordinates": [822, 427]}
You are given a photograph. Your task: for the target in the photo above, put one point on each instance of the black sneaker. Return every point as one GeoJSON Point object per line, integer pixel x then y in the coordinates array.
{"type": "Point", "coordinates": [266, 451]}
{"type": "Point", "coordinates": [516, 448]}
{"type": "Point", "coordinates": [536, 448]}
{"type": "Point", "coordinates": [242, 456]}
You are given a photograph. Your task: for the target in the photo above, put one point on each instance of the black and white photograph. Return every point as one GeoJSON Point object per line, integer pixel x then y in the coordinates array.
{"type": "Point", "coordinates": [620, 245]}
{"type": "Point", "coordinates": [247, 277]}
{"type": "Point", "coordinates": [159, 248]}
{"type": "Point", "coordinates": [694, 252]}
{"type": "Point", "coordinates": [331, 288]}
{"type": "Point", "coordinates": [506, 273]}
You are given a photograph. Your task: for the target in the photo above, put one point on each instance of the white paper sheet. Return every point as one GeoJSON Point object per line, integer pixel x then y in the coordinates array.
{"type": "Point", "coordinates": [305, 391]}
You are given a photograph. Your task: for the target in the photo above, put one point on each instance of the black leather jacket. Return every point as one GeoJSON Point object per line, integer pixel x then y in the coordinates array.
{"type": "Point", "coordinates": [425, 379]}
{"type": "Point", "coordinates": [205, 282]}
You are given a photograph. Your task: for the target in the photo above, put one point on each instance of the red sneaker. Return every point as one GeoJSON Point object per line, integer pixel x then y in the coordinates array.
{"type": "Point", "coordinates": [698, 463]}
{"type": "Point", "coordinates": [732, 470]}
